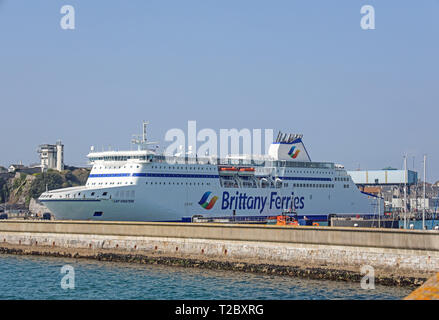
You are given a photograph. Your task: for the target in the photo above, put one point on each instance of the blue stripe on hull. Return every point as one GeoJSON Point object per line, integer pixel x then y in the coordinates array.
{"type": "Point", "coordinates": [180, 175]}
{"type": "Point", "coordinates": [254, 218]}
{"type": "Point", "coordinates": [71, 200]}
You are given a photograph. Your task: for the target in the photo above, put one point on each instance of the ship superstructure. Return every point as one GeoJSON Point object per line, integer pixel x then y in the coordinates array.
{"type": "Point", "coordinates": [143, 185]}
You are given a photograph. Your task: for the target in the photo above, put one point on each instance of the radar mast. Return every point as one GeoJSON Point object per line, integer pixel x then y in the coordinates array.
{"type": "Point", "coordinates": [141, 140]}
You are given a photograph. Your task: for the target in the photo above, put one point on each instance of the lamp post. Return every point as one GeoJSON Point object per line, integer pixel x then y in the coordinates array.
{"type": "Point", "coordinates": [405, 191]}
{"type": "Point", "coordinates": [423, 211]}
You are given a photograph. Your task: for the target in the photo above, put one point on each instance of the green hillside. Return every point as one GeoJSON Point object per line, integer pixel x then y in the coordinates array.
{"type": "Point", "coordinates": [21, 188]}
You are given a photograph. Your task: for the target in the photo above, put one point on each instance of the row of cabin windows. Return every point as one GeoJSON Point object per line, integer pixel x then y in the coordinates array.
{"type": "Point", "coordinates": [184, 168]}
{"type": "Point", "coordinates": [312, 185]}
{"type": "Point", "coordinates": [107, 183]}
{"type": "Point", "coordinates": [119, 167]}
{"type": "Point", "coordinates": [79, 194]}
{"type": "Point", "coordinates": [314, 172]}
{"type": "Point", "coordinates": [127, 194]}
{"type": "Point", "coordinates": [180, 183]}
{"type": "Point", "coordinates": [341, 179]}
{"type": "Point", "coordinates": [161, 167]}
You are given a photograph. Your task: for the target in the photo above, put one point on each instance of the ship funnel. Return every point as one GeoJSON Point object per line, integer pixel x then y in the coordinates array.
{"type": "Point", "coordinates": [289, 147]}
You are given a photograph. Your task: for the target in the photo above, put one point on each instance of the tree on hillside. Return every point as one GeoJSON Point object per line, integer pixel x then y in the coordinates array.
{"type": "Point", "coordinates": [81, 175]}
{"type": "Point", "coordinates": [4, 192]}
{"type": "Point", "coordinates": [51, 179]}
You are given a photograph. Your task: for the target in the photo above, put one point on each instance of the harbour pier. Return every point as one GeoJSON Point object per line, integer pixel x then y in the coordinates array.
{"type": "Point", "coordinates": [398, 257]}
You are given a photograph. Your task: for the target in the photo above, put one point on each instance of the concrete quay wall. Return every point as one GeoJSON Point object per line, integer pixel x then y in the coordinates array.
{"type": "Point", "coordinates": [362, 237]}
{"type": "Point", "coordinates": [396, 250]}
{"type": "Point", "coordinates": [406, 261]}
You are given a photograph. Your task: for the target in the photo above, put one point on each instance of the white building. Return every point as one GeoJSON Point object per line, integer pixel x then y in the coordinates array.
{"type": "Point", "coordinates": [52, 156]}
{"type": "Point", "coordinates": [419, 204]}
{"type": "Point", "coordinates": [14, 167]}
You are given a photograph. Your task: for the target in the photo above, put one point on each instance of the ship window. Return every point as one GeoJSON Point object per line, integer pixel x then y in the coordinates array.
{"type": "Point", "coordinates": [105, 193]}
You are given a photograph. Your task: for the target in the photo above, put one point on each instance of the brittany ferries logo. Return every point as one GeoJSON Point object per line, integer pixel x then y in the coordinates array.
{"type": "Point", "coordinates": [207, 204]}
{"type": "Point", "coordinates": [293, 154]}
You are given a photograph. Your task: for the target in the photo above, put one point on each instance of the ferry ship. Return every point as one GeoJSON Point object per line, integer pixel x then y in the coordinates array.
{"type": "Point", "coordinates": [144, 185]}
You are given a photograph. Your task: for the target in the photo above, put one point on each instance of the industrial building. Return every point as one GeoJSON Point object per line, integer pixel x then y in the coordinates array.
{"type": "Point", "coordinates": [52, 156]}
{"type": "Point", "coordinates": [394, 185]}
{"type": "Point", "coordinates": [384, 177]}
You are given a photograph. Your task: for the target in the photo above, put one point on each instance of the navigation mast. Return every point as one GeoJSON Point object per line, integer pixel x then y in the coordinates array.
{"type": "Point", "coordinates": [141, 140]}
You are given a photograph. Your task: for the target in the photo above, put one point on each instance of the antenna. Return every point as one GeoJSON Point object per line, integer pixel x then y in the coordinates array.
{"type": "Point", "coordinates": [142, 141]}
{"type": "Point", "coordinates": [405, 191]}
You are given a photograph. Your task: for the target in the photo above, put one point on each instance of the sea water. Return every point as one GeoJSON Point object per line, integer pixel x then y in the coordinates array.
{"type": "Point", "coordinates": [34, 277]}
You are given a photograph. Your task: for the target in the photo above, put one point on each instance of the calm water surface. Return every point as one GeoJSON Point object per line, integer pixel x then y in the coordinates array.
{"type": "Point", "coordinates": [28, 277]}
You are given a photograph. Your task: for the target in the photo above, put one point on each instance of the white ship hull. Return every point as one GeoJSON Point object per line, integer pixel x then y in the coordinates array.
{"type": "Point", "coordinates": [144, 200]}
{"type": "Point", "coordinates": [144, 186]}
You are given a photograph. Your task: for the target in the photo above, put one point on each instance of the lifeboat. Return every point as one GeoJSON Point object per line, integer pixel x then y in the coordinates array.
{"type": "Point", "coordinates": [228, 171]}
{"type": "Point", "coordinates": [246, 171]}
{"type": "Point", "coordinates": [286, 221]}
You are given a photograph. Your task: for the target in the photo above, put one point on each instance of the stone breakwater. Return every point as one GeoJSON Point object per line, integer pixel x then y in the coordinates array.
{"type": "Point", "coordinates": [383, 277]}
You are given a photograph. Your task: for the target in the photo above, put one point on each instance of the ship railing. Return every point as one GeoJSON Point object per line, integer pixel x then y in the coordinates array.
{"type": "Point", "coordinates": [240, 162]}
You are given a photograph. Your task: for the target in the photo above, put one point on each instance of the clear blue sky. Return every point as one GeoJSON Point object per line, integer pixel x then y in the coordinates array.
{"type": "Point", "coordinates": [361, 98]}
